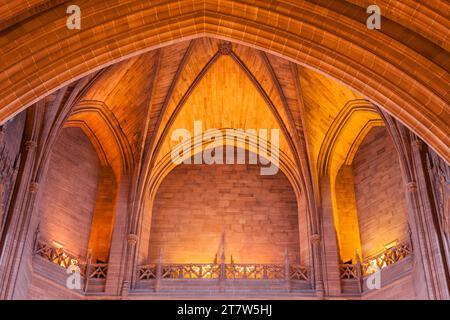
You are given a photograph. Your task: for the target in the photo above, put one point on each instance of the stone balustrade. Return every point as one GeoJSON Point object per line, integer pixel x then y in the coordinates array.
{"type": "Point", "coordinates": [222, 271]}
{"type": "Point", "coordinates": [232, 271]}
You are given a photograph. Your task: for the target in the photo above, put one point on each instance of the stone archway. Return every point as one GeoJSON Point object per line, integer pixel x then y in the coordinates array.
{"type": "Point", "coordinates": [326, 37]}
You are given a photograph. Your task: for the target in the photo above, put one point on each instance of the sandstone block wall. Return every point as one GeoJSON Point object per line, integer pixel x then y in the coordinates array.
{"type": "Point", "coordinates": [380, 193]}
{"type": "Point", "coordinates": [197, 203]}
{"type": "Point", "coordinates": [69, 192]}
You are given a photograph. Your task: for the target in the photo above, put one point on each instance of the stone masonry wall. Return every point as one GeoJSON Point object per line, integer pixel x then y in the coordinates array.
{"type": "Point", "coordinates": [380, 193]}
{"type": "Point", "coordinates": [197, 203]}
{"type": "Point", "coordinates": [69, 192]}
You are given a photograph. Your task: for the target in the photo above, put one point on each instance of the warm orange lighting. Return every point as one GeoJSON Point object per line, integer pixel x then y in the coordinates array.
{"type": "Point", "coordinates": [390, 244]}
{"type": "Point", "coordinates": [380, 262]}
{"type": "Point", "coordinates": [57, 245]}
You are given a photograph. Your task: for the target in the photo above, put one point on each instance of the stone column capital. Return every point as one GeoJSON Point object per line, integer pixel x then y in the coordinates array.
{"type": "Point", "coordinates": [417, 144]}
{"type": "Point", "coordinates": [411, 186]}
{"type": "Point", "coordinates": [315, 238]}
{"type": "Point", "coordinates": [132, 239]}
{"type": "Point", "coordinates": [30, 144]}
{"type": "Point", "coordinates": [34, 186]}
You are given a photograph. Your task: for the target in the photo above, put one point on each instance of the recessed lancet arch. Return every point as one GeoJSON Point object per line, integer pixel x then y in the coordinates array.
{"type": "Point", "coordinates": [334, 167]}
{"type": "Point", "coordinates": [116, 162]}
{"type": "Point", "coordinates": [203, 113]}
{"type": "Point", "coordinates": [216, 209]}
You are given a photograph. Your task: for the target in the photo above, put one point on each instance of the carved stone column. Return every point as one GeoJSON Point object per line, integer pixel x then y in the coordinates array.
{"type": "Point", "coordinates": [131, 245]}
{"type": "Point", "coordinates": [15, 276]}
{"type": "Point", "coordinates": [315, 242]}
{"type": "Point", "coordinates": [430, 273]}
{"type": "Point", "coordinates": [329, 250]}
{"type": "Point", "coordinates": [425, 228]}
{"type": "Point", "coordinates": [120, 244]}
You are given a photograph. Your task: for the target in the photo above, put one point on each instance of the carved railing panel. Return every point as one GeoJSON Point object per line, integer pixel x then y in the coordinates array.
{"type": "Point", "coordinates": [98, 271]}
{"type": "Point", "coordinates": [190, 271]}
{"type": "Point", "coordinates": [255, 271]}
{"type": "Point", "coordinates": [172, 272]}
{"type": "Point", "coordinates": [297, 272]}
{"type": "Point", "coordinates": [348, 271]}
{"type": "Point", "coordinates": [202, 271]}
{"type": "Point", "coordinates": [147, 272]}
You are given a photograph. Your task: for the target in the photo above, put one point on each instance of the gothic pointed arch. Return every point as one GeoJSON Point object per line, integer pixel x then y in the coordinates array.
{"type": "Point", "coordinates": [368, 67]}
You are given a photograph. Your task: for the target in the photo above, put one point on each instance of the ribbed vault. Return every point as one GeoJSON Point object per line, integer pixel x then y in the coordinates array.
{"type": "Point", "coordinates": [342, 47]}
{"type": "Point", "coordinates": [237, 105]}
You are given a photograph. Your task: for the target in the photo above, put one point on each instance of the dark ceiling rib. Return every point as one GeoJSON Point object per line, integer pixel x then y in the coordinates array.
{"type": "Point", "coordinates": [169, 94]}
{"type": "Point", "coordinates": [269, 103]}
{"type": "Point", "coordinates": [52, 110]}
{"type": "Point", "coordinates": [147, 131]}
{"type": "Point", "coordinates": [180, 105]}
{"type": "Point", "coordinates": [137, 187]}
{"type": "Point", "coordinates": [311, 193]}
{"type": "Point", "coordinates": [287, 109]}
{"type": "Point", "coordinates": [408, 8]}
{"type": "Point", "coordinates": [145, 163]}
{"type": "Point", "coordinates": [298, 134]}
{"type": "Point", "coordinates": [391, 28]}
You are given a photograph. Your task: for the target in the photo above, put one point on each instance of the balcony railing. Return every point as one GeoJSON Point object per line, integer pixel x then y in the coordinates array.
{"type": "Point", "coordinates": [64, 259]}
{"type": "Point", "coordinates": [230, 271]}
{"type": "Point", "coordinates": [56, 255]}
{"type": "Point", "coordinates": [386, 258]}
{"type": "Point", "coordinates": [374, 263]}
{"type": "Point", "coordinates": [256, 271]}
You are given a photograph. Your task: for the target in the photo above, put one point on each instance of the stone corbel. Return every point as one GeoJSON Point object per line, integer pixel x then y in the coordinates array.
{"type": "Point", "coordinates": [132, 239]}
{"type": "Point", "coordinates": [34, 186]}
{"type": "Point", "coordinates": [30, 145]}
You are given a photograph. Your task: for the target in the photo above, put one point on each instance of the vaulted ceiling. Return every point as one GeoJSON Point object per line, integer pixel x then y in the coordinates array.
{"type": "Point", "coordinates": [403, 67]}
{"type": "Point", "coordinates": [131, 108]}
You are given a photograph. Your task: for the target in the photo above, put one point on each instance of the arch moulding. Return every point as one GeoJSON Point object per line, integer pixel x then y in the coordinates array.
{"type": "Point", "coordinates": [322, 38]}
